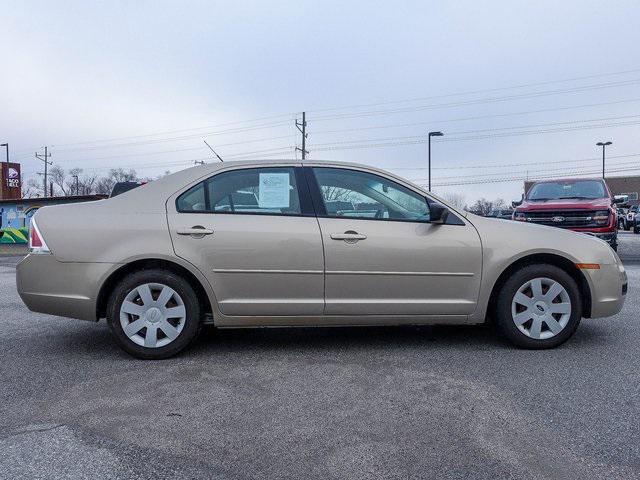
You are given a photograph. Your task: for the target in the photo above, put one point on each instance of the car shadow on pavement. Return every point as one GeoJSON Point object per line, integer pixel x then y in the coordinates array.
{"type": "Point", "coordinates": [434, 337]}
{"type": "Point", "coordinates": [97, 340]}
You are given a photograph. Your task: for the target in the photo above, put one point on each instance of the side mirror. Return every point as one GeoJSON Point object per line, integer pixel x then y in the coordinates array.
{"type": "Point", "coordinates": [438, 213]}
{"type": "Point", "coordinates": [618, 199]}
{"type": "Point", "coordinates": [517, 203]}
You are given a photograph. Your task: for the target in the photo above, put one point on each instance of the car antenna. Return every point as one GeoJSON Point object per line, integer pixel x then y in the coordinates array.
{"type": "Point", "coordinates": [214, 152]}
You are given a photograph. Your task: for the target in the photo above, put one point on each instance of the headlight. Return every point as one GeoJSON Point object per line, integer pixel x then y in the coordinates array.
{"type": "Point", "coordinates": [601, 217]}
{"type": "Point", "coordinates": [519, 216]}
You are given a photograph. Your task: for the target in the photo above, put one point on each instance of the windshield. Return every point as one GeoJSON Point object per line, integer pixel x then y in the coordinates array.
{"type": "Point", "coordinates": [578, 189]}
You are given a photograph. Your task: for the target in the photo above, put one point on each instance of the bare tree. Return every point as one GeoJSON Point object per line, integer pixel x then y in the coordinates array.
{"type": "Point", "coordinates": [32, 188]}
{"type": "Point", "coordinates": [482, 206]}
{"type": "Point", "coordinates": [65, 182]}
{"type": "Point", "coordinates": [105, 184]}
{"type": "Point", "coordinates": [84, 185]}
{"type": "Point", "coordinates": [331, 193]}
{"type": "Point", "coordinates": [455, 199]}
{"type": "Point", "coordinates": [58, 176]}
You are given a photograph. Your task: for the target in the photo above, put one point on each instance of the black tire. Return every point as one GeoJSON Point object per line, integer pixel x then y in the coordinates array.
{"type": "Point", "coordinates": [503, 317]}
{"type": "Point", "coordinates": [636, 229]}
{"type": "Point", "coordinates": [192, 320]}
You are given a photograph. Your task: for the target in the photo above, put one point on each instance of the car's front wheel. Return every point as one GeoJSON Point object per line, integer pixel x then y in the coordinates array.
{"type": "Point", "coordinates": [154, 314]}
{"type": "Point", "coordinates": [539, 306]}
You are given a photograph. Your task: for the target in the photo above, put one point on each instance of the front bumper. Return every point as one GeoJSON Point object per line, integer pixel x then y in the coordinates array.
{"type": "Point", "coordinates": [608, 289]}
{"type": "Point", "coordinates": [611, 238]}
{"type": "Point", "coordinates": [66, 289]}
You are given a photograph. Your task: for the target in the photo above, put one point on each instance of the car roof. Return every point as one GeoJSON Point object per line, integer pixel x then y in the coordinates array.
{"type": "Point", "coordinates": [155, 193]}
{"type": "Point", "coordinates": [567, 179]}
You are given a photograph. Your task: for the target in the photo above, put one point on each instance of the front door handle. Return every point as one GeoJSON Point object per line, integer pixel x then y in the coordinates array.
{"type": "Point", "coordinates": [349, 236]}
{"type": "Point", "coordinates": [197, 231]}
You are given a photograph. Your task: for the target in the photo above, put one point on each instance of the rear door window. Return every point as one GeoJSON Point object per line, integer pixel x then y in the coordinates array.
{"type": "Point", "coordinates": [271, 191]}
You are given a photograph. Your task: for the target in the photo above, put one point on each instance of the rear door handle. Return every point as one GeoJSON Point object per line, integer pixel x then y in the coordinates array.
{"type": "Point", "coordinates": [349, 236]}
{"type": "Point", "coordinates": [197, 231]}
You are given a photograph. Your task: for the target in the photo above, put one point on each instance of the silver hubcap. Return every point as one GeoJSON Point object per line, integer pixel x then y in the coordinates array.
{"type": "Point", "coordinates": [541, 308]}
{"type": "Point", "coordinates": [152, 315]}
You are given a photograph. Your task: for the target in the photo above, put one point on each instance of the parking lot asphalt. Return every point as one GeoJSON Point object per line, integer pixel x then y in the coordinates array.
{"type": "Point", "coordinates": [414, 402]}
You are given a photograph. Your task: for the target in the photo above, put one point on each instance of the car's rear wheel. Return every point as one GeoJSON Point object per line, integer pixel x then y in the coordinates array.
{"type": "Point", "coordinates": [153, 314]}
{"type": "Point", "coordinates": [539, 306]}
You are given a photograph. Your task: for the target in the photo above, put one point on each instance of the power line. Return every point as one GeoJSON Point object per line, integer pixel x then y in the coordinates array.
{"type": "Point", "coordinates": [417, 140]}
{"type": "Point", "coordinates": [169, 132]}
{"type": "Point", "coordinates": [171, 139]}
{"type": "Point", "coordinates": [520, 172]}
{"type": "Point", "coordinates": [142, 154]}
{"type": "Point", "coordinates": [99, 143]}
{"type": "Point", "coordinates": [478, 101]}
{"type": "Point", "coordinates": [541, 177]}
{"type": "Point", "coordinates": [473, 92]}
{"type": "Point", "coordinates": [501, 165]}
{"type": "Point", "coordinates": [477, 117]}
{"type": "Point", "coordinates": [465, 132]}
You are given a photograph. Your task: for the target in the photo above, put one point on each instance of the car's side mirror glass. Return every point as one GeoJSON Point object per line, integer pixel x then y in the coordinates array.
{"type": "Point", "coordinates": [438, 213]}
{"type": "Point", "coordinates": [517, 203]}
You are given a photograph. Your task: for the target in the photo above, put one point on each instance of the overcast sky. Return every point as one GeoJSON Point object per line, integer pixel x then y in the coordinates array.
{"type": "Point", "coordinates": [156, 78]}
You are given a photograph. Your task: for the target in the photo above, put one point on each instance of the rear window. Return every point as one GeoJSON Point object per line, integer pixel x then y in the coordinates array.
{"type": "Point", "coordinates": [569, 189]}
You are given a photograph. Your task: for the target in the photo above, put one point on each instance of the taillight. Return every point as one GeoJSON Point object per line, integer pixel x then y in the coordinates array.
{"type": "Point", "coordinates": [36, 240]}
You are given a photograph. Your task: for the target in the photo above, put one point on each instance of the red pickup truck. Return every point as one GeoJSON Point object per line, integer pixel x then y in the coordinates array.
{"type": "Point", "coordinates": [580, 204]}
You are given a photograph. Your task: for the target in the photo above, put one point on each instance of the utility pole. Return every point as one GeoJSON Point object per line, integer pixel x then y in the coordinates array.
{"type": "Point", "coordinates": [77, 186]}
{"type": "Point", "coordinates": [603, 145]}
{"type": "Point", "coordinates": [432, 134]}
{"type": "Point", "coordinates": [44, 158]}
{"type": "Point", "coordinates": [302, 127]}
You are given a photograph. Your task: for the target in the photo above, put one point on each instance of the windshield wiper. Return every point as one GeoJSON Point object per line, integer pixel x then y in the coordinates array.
{"type": "Point", "coordinates": [577, 197]}
{"type": "Point", "coordinates": [538, 199]}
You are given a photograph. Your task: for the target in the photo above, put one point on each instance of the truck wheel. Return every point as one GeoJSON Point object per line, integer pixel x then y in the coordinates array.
{"type": "Point", "coordinates": [539, 306]}
{"type": "Point", "coordinates": [154, 314]}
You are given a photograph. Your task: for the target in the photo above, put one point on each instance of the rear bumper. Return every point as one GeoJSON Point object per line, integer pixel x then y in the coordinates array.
{"type": "Point", "coordinates": [66, 289]}
{"type": "Point", "coordinates": [608, 290]}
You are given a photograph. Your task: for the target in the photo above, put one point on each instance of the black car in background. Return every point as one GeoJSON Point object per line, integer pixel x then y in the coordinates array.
{"type": "Point", "coordinates": [121, 187]}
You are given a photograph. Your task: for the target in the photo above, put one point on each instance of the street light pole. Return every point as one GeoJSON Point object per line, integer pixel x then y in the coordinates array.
{"type": "Point", "coordinates": [432, 134]}
{"type": "Point", "coordinates": [6, 145]}
{"type": "Point", "coordinates": [603, 145]}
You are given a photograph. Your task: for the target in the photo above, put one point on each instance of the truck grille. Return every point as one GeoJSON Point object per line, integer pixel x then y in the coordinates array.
{"type": "Point", "coordinates": [563, 218]}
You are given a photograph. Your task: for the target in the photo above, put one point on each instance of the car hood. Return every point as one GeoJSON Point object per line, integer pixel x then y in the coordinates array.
{"type": "Point", "coordinates": [567, 203]}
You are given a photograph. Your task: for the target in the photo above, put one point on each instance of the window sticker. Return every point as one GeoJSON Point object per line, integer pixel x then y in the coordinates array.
{"type": "Point", "coordinates": [273, 191]}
